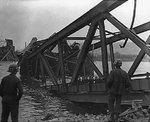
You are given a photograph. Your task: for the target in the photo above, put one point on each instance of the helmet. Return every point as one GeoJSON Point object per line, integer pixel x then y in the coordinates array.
{"type": "Point", "coordinates": [13, 68]}
{"type": "Point", "coordinates": [118, 63]}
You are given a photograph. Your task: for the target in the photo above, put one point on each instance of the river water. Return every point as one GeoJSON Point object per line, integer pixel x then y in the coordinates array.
{"type": "Point", "coordinates": [36, 103]}
{"type": "Point", "coordinates": [141, 69]}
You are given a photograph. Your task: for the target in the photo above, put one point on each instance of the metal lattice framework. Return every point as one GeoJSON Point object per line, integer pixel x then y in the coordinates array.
{"type": "Point", "coordinates": [40, 60]}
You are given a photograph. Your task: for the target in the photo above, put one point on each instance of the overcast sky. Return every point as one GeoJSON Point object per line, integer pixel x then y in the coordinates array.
{"type": "Point", "coordinates": [21, 20]}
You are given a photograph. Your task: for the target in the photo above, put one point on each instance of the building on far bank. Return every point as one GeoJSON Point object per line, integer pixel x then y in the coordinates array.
{"type": "Point", "coordinates": [7, 50]}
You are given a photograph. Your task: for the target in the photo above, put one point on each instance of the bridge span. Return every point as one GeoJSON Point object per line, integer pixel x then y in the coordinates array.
{"type": "Point", "coordinates": [71, 68]}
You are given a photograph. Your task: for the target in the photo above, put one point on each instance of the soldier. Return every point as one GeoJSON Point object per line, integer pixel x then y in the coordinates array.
{"type": "Point", "coordinates": [117, 83]}
{"type": "Point", "coordinates": [11, 92]}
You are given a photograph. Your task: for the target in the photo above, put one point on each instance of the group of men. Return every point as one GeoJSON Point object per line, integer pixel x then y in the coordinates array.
{"type": "Point", "coordinates": [11, 92]}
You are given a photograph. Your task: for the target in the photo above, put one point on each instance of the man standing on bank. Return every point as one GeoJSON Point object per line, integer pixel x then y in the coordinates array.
{"type": "Point", "coordinates": [11, 92]}
{"type": "Point", "coordinates": [117, 83]}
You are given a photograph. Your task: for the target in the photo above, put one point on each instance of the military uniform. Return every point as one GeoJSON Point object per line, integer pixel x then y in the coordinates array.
{"type": "Point", "coordinates": [11, 92]}
{"type": "Point", "coordinates": [117, 83]}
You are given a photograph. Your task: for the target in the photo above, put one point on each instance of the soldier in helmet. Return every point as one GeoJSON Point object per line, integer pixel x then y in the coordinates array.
{"type": "Point", "coordinates": [11, 92]}
{"type": "Point", "coordinates": [117, 83]}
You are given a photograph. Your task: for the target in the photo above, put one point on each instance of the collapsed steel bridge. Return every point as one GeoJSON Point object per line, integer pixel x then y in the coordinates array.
{"type": "Point", "coordinates": [67, 67]}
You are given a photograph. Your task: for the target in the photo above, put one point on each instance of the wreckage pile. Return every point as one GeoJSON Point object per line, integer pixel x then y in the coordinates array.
{"type": "Point", "coordinates": [134, 114]}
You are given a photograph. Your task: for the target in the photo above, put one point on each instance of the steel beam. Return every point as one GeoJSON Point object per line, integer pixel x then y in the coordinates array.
{"type": "Point", "coordinates": [42, 71]}
{"type": "Point", "coordinates": [94, 67]}
{"type": "Point", "coordinates": [5, 56]}
{"type": "Point", "coordinates": [137, 60]}
{"type": "Point", "coordinates": [61, 61]}
{"type": "Point", "coordinates": [129, 33]}
{"type": "Point", "coordinates": [139, 29]}
{"type": "Point", "coordinates": [48, 69]}
{"type": "Point", "coordinates": [36, 72]}
{"type": "Point", "coordinates": [51, 57]}
{"type": "Point", "coordinates": [80, 38]}
{"type": "Point", "coordinates": [112, 55]}
{"type": "Point", "coordinates": [58, 70]}
{"type": "Point", "coordinates": [102, 7]}
{"type": "Point", "coordinates": [102, 97]}
{"type": "Point", "coordinates": [104, 49]}
{"type": "Point", "coordinates": [84, 50]}
{"type": "Point", "coordinates": [72, 55]}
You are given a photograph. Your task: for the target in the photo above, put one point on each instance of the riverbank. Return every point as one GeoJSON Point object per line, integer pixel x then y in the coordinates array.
{"type": "Point", "coordinates": [37, 105]}
{"type": "Point", "coordinates": [20, 118]}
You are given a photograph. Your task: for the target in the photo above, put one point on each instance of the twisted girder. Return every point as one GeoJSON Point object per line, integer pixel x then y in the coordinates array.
{"type": "Point", "coordinates": [103, 7]}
